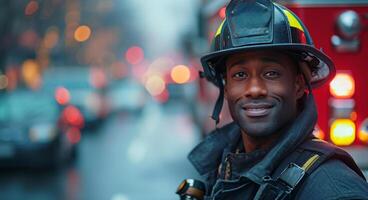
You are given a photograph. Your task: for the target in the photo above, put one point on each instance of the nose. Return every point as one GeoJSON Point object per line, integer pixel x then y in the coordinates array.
{"type": "Point", "coordinates": [255, 88]}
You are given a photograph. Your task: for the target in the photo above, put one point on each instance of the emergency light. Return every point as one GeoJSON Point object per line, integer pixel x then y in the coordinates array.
{"type": "Point", "coordinates": [342, 86]}
{"type": "Point", "coordinates": [342, 132]}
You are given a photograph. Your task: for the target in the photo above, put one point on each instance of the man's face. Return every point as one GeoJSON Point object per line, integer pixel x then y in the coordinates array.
{"type": "Point", "coordinates": [262, 89]}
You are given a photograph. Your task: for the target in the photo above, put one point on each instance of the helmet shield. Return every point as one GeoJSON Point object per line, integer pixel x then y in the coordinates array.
{"type": "Point", "coordinates": [250, 22]}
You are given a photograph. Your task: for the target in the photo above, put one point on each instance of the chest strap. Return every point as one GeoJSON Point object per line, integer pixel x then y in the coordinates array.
{"type": "Point", "coordinates": [293, 170]}
{"type": "Point", "coordinates": [281, 187]}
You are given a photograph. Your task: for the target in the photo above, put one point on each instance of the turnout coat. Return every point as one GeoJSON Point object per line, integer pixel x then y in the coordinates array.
{"type": "Point", "coordinates": [297, 166]}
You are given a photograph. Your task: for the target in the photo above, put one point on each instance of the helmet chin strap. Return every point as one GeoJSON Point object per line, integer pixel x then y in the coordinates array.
{"type": "Point", "coordinates": [220, 100]}
{"type": "Point", "coordinates": [307, 80]}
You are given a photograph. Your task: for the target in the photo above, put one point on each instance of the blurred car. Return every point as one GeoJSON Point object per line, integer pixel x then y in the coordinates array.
{"type": "Point", "coordinates": [35, 131]}
{"type": "Point", "coordinates": [85, 87]}
{"type": "Point", "coordinates": [126, 95]}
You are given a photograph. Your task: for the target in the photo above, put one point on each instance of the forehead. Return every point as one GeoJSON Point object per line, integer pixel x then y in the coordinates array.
{"type": "Point", "coordinates": [264, 56]}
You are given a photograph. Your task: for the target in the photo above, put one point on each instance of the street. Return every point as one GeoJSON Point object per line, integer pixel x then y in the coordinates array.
{"type": "Point", "coordinates": [130, 156]}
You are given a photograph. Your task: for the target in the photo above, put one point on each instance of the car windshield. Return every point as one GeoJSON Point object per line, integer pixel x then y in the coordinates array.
{"type": "Point", "coordinates": [22, 106]}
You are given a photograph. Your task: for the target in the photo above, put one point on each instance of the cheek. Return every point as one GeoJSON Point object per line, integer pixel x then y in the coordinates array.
{"type": "Point", "coordinates": [286, 93]}
{"type": "Point", "coordinates": [233, 92]}
{"type": "Point", "coordinates": [285, 87]}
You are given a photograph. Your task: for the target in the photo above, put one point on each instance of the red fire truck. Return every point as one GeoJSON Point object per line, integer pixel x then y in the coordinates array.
{"type": "Point", "coordinates": [340, 28]}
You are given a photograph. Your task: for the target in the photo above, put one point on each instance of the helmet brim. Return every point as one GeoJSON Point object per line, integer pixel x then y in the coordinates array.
{"type": "Point", "coordinates": [321, 74]}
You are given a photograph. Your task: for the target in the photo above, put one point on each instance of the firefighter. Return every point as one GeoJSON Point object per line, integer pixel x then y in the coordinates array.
{"type": "Point", "coordinates": [265, 64]}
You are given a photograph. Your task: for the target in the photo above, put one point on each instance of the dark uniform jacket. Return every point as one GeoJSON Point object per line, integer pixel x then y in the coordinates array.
{"type": "Point", "coordinates": [233, 174]}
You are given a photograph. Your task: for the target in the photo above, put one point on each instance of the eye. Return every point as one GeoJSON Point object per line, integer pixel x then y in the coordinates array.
{"type": "Point", "coordinates": [272, 74]}
{"type": "Point", "coordinates": [239, 75]}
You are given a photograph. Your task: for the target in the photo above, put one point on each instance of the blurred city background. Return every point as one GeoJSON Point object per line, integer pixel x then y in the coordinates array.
{"type": "Point", "coordinates": [104, 99]}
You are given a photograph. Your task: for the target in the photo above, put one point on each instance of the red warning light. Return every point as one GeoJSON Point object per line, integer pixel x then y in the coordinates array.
{"type": "Point", "coordinates": [73, 116]}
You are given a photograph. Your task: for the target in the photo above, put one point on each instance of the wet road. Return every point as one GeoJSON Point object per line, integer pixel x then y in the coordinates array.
{"type": "Point", "coordinates": [130, 156]}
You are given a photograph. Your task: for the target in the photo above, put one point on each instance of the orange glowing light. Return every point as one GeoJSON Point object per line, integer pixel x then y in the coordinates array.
{"type": "Point", "coordinates": [318, 133]}
{"type": "Point", "coordinates": [363, 136]}
{"type": "Point", "coordinates": [155, 85]}
{"type": "Point", "coordinates": [342, 132]}
{"type": "Point", "coordinates": [134, 55]}
{"type": "Point", "coordinates": [82, 33]}
{"type": "Point", "coordinates": [62, 95]}
{"type": "Point", "coordinates": [51, 38]}
{"type": "Point", "coordinates": [354, 116]}
{"type": "Point", "coordinates": [180, 74]}
{"type": "Point", "coordinates": [363, 131]}
{"type": "Point", "coordinates": [342, 86]}
{"type": "Point", "coordinates": [31, 8]}
{"type": "Point", "coordinates": [222, 13]}
{"type": "Point", "coordinates": [31, 73]}
{"type": "Point", "coordinates": [73, 135]}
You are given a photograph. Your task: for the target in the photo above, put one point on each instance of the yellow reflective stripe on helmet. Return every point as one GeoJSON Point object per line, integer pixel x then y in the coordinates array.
{"type": "Point", "coordinates": [293, 21]}
{"type": "Point", "coordinates": [218, 32]}
{"type": "Point", "coordinates": [310, 162]}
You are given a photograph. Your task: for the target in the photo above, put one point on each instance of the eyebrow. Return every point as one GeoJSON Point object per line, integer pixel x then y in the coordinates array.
{"type": "Point", "coordinates": [263, 59]}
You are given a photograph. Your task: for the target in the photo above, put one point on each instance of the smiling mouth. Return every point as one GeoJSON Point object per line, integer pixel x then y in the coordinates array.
{"type": "Point", "coordinates": [257, 110]}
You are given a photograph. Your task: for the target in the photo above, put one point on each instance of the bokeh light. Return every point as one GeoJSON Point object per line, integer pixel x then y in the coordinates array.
{"type": "Point", "coordinates": [342, 86]}
{"type": "Point", "coordinates": [134, 55]}
{"type": "Point", "coordinates": [51, 38]}
{"type": "Point", "coordinates": [3, 82]}
{"type": "Point", "coordinates": [62, 95]}
{"type": "Point", "coordinates": [12, 76]}
{"type": "Point", "coordinates": [342, 132]}
{"type": "Point", "coordinates": [155, 85]}
{"type": "Point", "coordinates": [180, 74]}
{"type": "Point", "coordinates": [318, 133]}
{"type": "Point", "coordinates": [31, 8]}
{"type": "Point", "coordinates": [82, 33]}
{"type": "Point", "coordinates": [31, 74]}
{"type": "Point", "coordinates": [73, 116]}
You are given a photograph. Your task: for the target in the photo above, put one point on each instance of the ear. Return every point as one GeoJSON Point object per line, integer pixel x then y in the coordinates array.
{"type": "Point", "coordinates": [300, 86]}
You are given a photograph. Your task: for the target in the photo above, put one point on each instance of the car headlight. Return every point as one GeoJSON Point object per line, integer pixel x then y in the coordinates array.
{"type": "Point", "coordinates": [42, 133]}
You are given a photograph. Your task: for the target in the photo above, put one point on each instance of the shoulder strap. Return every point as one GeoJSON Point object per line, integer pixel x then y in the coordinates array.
{"type": "Point", "coordinates": [327, 151]}
{"type": "Point", "coordinates": [287, 178]}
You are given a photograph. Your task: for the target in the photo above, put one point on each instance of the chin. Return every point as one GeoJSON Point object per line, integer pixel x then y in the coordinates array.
{"type": "Point", "coordinates": [258, 131]}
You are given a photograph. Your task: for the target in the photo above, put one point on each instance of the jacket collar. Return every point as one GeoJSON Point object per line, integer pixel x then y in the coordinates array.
{"type": "Point", "coordinates": [206, 156]}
